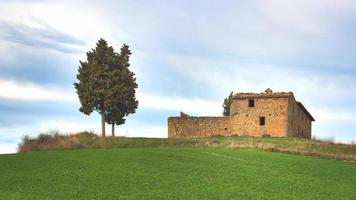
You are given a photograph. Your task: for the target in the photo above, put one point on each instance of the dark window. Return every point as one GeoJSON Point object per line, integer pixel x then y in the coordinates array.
{"type": "Point", "coordinates": [262, 121]}
{"type": "Point", "coordinates": [251, 103]}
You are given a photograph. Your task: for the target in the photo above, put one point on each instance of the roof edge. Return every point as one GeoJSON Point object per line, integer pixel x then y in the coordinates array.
{"type": "Point", "coordinates": [305, 110]}
{"type": "Point", "coordinates": [243, 95]}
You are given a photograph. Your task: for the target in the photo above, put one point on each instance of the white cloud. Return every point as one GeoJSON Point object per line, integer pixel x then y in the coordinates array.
{"type": "Point", "coordinates": [309, 17]}
{"type": "Point", "coordinates": [225, 74]}
{"type": "Point", "coordinates": [334, 116]}
{"type": "Point", "coordinates": [7, 148]}
{"type": "Point", "coordinates": [26, 91]}
{"type": "Point", "coordinates": [63, 15]}
{"type": "Point", "coordinates": [6, 55]}
{"type": "Point", "coordinates": [194, 106]}
{"type": "Point", "coordinates": [141, 129]}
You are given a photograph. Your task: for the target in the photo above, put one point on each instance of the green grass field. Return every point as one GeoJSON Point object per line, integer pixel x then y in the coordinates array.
{"type": "Point", "coordinates": [174, 173]}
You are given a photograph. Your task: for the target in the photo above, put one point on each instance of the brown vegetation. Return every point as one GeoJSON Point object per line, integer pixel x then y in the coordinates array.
{"type": "Point", "coordinates": [317, 148]}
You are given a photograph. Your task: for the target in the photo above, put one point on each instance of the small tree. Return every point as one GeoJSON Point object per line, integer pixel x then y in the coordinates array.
{"type": "Point", "coordinates": [93, 80]}
{"type": "Point", "coordinates": [226, 105]}
{"type": "Point", "coordinates": [122, 100]}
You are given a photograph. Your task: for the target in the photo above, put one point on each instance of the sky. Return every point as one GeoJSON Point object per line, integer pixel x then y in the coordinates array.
{"type": "Point", "coordinates": [187, 56]}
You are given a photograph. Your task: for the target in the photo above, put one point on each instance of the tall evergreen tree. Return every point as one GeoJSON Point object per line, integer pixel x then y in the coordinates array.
{"type": "Point", "coordinates": [93, 80]}
{"type": "Point", "coordinates": [122, 100]}
{"type": "Point", "coordinates": [226, 104]}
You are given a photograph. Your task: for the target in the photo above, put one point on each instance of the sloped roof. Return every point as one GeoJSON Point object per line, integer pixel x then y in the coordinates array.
{"type": "Point", "coordinates": [305, 110]}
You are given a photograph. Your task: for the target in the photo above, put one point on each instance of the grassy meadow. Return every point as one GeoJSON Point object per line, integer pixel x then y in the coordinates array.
{"type": "Point", "coordinates": [85, 166]}
{"type": "Point", "coordinates": [173, 173]}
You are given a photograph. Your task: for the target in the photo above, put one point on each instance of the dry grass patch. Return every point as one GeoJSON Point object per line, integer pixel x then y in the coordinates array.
{"type": "Point", "coordinates": [89, 140]}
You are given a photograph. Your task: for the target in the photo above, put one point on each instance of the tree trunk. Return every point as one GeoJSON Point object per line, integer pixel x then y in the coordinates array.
{"type": "Point", "coordinates": [113, 129]}
{"type": "Point", "coordinates": [102, 125]}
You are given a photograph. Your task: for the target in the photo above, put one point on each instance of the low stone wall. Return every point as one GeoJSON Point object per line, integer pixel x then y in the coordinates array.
{"type": "Point", "coordinates": [186, 126]}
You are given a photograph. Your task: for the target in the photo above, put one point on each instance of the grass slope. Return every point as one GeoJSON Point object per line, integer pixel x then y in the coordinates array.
{"type": "Point", "coordinates": [87, 140]}
{"type": "Point", "coordinates": [173, 173]}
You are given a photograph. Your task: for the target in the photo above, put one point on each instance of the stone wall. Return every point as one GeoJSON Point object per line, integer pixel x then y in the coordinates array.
{"type": "Point", "coordinates": [284, 117]}
{"type": "Point", "coordinates": [245, 120]}
{"type": "Point", "coordinates": [299, 124]}
{"type": "Point", "coordinates": [292, 119]}
{"type": "Point", "coordinates": [187, 126]}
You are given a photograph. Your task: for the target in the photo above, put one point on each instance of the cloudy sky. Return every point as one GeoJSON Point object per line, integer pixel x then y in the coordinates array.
{"type": "Point", "coordinates": [187, 56]}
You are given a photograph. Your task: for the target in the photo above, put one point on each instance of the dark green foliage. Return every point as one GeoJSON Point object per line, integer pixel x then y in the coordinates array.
{"type": "Point", "coordinates": [173, 173]}
{"type": "Point", "coordinates": [106, 85]}
{"type": "Point", "coordinates": [121, 98]}
{"type": "Point", "coordinates": [226, 104]}
{"type": "Point", "coordinates": [93, 78]}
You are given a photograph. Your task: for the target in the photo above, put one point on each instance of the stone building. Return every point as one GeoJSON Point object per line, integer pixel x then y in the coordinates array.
{"type": "Point", "coordinates": [275, 114]}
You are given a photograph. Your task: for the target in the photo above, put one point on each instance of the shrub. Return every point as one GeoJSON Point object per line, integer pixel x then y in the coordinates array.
{"type": "Point", "coordinates": [53, 139]}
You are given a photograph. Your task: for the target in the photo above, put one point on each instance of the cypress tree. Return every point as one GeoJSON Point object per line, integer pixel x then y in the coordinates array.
{"type": "Point", "coordinates": [122, 100]}
{"type": "Point", "coordinates": [93, 80]}
{"type": "Point", "coordinates": [226, 105]}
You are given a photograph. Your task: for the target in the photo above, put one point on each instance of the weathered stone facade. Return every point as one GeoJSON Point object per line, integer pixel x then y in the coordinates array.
{"type": "Point", "coordinates": [186, 126]}
{"type": "Point", "coordinates": [252, 114]}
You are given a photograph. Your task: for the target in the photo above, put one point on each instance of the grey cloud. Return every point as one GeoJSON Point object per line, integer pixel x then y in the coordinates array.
{"type": "Point", "coordinates": [46, 37]}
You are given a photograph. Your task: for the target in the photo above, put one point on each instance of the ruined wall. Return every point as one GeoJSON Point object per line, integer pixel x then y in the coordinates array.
{"type": "Point", "coordinates": [245, 120]}
{"type": "Point", "coordinates": [299, 124]}
{"type": "Point", "coordinates": [283, 117]}
{"type": "Point", "coordinates": [186, 126]}
{"type": "Point", "coordinates": [292, 118]}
